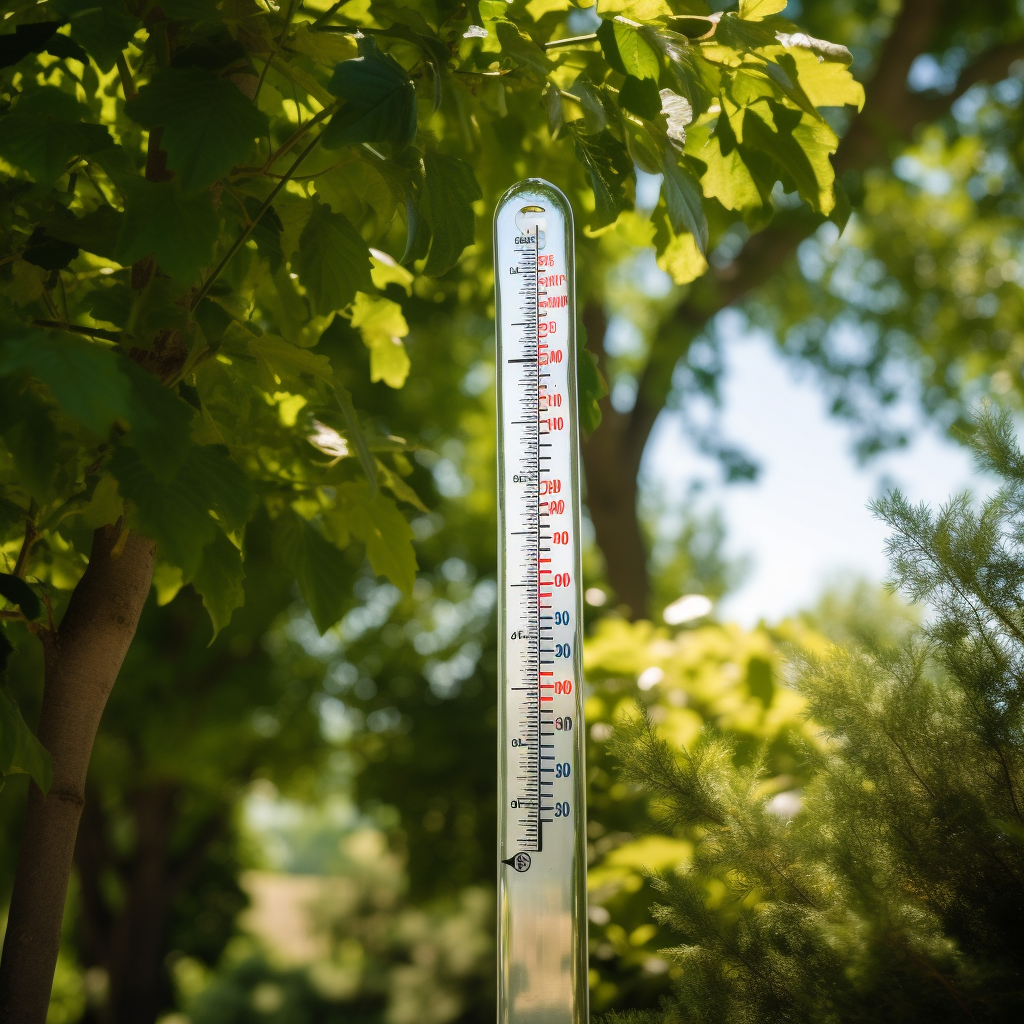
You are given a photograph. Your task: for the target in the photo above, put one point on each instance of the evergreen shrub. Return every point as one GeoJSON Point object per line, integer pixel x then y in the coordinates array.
{"type": "Point", "coordinates": [896, 891]}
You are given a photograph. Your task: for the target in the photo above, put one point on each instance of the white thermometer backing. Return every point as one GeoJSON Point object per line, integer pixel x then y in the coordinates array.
{"type": "Point", "coordinates": [542, 875]}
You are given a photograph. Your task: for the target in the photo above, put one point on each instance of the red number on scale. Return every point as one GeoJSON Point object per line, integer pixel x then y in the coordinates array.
{"type": "Point", "coordinates": [547, 261]}
{"type": "Point", "coordinates": [554, 356]}
{"type": "Point", "coordinates": [553, 400]}
{"type": "Point", "coordinates": [555, 423]}
{"type": "Point", "coordinates": [556, 508]}
{"type": "Point", "coordinates": [560, 537]}
{"type": "Point", "coordinates": [550, 486]}
{"type": "Point", "coordinates": [563, 686]}
{"type": "Point", "coordinates": [562, 579]}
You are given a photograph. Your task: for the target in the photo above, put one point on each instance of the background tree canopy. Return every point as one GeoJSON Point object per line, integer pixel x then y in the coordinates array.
{"type": "Point", "coordinates": [245, 295]}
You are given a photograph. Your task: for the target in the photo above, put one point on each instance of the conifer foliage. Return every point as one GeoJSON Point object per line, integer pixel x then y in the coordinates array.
{"type": "Point", "coordinates": [896, 893]}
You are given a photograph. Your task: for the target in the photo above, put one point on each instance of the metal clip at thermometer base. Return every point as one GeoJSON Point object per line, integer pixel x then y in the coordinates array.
{"type": "Point", "coordinates": [542, 875]}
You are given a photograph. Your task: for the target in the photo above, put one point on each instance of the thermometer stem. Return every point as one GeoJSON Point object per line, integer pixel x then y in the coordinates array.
{"type": "Point", "coordinates": [542, 931]}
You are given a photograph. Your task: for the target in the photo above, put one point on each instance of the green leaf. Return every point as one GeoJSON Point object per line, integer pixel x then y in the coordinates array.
{"type": "Point", "coordinates": [449, 190]}
{"type": "Point", "coordinates": [218, 580]}
{"type": "Point", "coordinates": [682, 260]}
{"type": "Point", "coordinates": [280, 364]}
{"type": "Point", "coordinates": [529, 58]}
{"type": "Point", "coordinates": [176, 514]}
{"type": "Point", "coordinates": [18, 592]}
{"type": "Point", "coordinates": [6, 650]}
{"type": "Point", "coordinates": [591, 387]}
{"type": "Point", "coordinates": [95, 232]}
{"type": "Point", "coordinates": [209, 125]}
{"type": "Point", "coordinates": [178, 231]}
{"type": "Point", "coordinates": [755, 10]}
{"type": "Point", "coordinates": [102, 26]}
{"type": "Point", "coordinates": [684, 200]}
{"type": "Point", "coordinates": [20, 752]}
{"type": "Point", "coordinates": [105, 504]}
{"type": "Point", "coordinates": [380, 101]}
{"type": "Point", "coordinates": [638, 57]}
{"type": "Point", "coordinates": [376, 520]}
{"type": "Point", "coordinates": [610, 170]}
{"type": "Point", "coordinates": [417, 240]}
{"type": "Point", "coordinates": [86, 379]}
{"type": "Point", "coordinates": [333, 261]}
{"type": "Point", "coordinates": [727, 177]}
{"type": "Point", "coordinates": [800, 147]}
{"type": "Point", "coordinates": [211, 471]}
{"type": "Point", "coordinates": [30, 437]}
{"type": "Point", "coordinates": [43, 250]}
{"type": "Point", "coordinates": [26, 39]}
{"type": "Point", "coordinates": [320, 569]}
{"type": "Point", "coordinates": [356, 435]}
{"type": "Point", "coordinates": [640, 96]}
{"type": "Point", "coordinates": [821, 68]}
{"type": "Point", "coordinates": [696, 79]}
{"type": "Point", "coordinates": [610, 48]}
{"type": "Point", "coordinates": [382, 326]}
{"type": "Point", "coordinates": [45, 131]}
{"type": "Point", "coordinates": [160, 423]}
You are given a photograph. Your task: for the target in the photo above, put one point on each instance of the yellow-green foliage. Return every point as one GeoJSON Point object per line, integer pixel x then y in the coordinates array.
{"type": "Point", "coordinates": [720, 675]}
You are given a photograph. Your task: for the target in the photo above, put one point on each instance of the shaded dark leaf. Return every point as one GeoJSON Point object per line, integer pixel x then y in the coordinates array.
{"type": "Point", "coordinates": [43, 250]}
{"type": "Point", "coordinates": [17, 591]}
{"type": "Point", "coordinates": [380, 101]}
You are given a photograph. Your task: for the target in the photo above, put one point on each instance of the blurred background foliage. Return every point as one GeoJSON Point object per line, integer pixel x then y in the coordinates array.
{"type": "Point", "coordinates": [311, 839]}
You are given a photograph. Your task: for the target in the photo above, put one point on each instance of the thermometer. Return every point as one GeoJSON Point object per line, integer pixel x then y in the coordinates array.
{"type": "Point", "coordinates": [542, 874]}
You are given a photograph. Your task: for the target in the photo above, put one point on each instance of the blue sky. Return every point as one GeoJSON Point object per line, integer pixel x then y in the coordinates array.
{"type": "Point", "coordinates": [804, 523]}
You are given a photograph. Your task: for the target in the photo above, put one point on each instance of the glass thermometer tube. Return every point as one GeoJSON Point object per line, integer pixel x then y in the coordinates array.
{"type": "Point", "coordinates": [542, 879]}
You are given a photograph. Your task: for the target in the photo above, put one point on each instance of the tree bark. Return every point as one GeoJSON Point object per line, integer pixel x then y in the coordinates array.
{"type": "Point", "coordinates": [82, 660]}
{"type": "Point", "coordinates": [611, 462]}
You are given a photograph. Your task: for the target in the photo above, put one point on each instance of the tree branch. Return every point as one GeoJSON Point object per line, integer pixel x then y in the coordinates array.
{"type": "Point", "coordinates": [89, 332]}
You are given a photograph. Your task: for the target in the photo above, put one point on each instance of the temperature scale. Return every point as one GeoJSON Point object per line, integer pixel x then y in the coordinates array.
{"type": "Point", "coordinates": [542, 876]}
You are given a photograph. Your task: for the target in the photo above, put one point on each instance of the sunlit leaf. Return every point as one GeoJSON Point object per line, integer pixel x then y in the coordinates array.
{"type": "Point", "coordinates": [382, 326]}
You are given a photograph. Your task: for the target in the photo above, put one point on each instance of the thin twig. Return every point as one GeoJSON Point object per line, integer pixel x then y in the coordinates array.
{"type": "Point", "coordinates": [63, 295]}
{"type": "Point", "coordinates": [326, 14]}
{"type": "Point", "coordinates": [573, 41]}
{"type": "Point", "coordinates": [286, 145]}
{"type": "Point", "coordinates": [273, 52]}
{"type": "Point", "coordinates": [88, 332]}
{"type": "Point", "coordinates": [248, 229]}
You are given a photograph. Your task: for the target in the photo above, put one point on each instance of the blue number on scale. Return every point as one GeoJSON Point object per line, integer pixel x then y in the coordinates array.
{"type": "Point", "coordinates": [563, 650]}
{"type": "Point", "coordinates": [563, 770]}
{"type": "Point", "coordinates": [562, 809]}
{"type": "Point", "coordinates": [561, 618]}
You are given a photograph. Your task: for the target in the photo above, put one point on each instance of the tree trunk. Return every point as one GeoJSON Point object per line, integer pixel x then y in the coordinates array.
{"type": "Point", "coordinates": [82, 659]}
{"type": "Point", "coordinates": [611, 461]}
{"type": "Point", "coordinates": [138, 984]}
{"type": "Point", "coordinates": [127, 937]}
